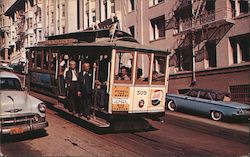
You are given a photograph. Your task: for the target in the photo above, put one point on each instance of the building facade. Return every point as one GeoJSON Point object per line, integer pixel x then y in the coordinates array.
{"type": "Point", "coordinates": [23, 27]}
{"type": "Point", "coordinates": [7, 33]}
{"type": "Point", "coordinates": [208, 39]}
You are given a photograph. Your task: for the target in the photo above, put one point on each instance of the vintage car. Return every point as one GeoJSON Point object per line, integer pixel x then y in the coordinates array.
{"type": "Point", "coordinates": [19, 112]}
{"type": "Point", "coordinates": [215, 103]}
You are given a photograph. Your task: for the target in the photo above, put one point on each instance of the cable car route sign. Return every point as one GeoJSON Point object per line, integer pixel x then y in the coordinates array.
{"type": "Point", "coordinates": [120, 98]}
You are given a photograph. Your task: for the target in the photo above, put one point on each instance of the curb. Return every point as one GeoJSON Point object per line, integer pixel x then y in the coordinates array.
{"type": "Point", "coordinates": [230, 126]}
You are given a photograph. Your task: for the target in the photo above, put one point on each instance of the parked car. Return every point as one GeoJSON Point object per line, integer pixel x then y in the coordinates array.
{"type": "Point", "coordinates": [18, 68]}
{"type": "Point", "coordinates": [20, 112]}
{"type": "Point", "coordinates": [4, 66]}
{"type": "Point", "coordinates": [215, 103]}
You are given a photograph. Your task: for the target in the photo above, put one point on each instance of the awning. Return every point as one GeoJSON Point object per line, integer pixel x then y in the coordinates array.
{"type": "Point", "coordinates": [18, 5]}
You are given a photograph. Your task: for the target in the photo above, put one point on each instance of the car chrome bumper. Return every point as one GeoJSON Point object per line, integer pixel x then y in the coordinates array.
{"type": "Point", "coordinates": [23, 128]}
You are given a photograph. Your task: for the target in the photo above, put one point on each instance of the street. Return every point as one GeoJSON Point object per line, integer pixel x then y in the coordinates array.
{"type": "Point", "coordinates": [67, 136]}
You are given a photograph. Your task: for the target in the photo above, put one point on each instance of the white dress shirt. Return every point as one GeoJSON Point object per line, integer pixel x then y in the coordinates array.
{"type": "Point", "coordinates": [74, 77]}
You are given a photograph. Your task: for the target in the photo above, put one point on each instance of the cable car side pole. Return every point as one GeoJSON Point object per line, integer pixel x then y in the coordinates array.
{"type": "Point", "coordinates": [57, 60]}
{"type": "Point", "coordinates": [94, 89]}
{"type": "Point", "coordinates": [108, 78]}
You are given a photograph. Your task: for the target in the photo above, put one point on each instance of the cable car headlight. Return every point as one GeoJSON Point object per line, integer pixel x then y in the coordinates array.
{"type": "Point", "coordinates": [42, 107]}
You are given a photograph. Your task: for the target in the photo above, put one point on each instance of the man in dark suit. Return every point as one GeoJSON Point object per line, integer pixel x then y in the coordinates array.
{"type": "Point", "coordinates": [72, 86]}
{"type": "Point", "coordinates": [85, 89]}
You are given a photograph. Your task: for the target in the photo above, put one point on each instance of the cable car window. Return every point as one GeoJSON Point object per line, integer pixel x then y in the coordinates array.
{"type": "Point", "coordinates": [32, 60]}
{"type": "Point", "coordinates": [159, 68]}
{"type": "Point", "coordinates": [103, 68]}
{"type": "Point", "coordinates": [46, 60]}
{"type": "Point", "coordinates": [38, 59]}
{"type": "Point", "coordinates": [143, 68]}
{"type": "Point", "coordinates": [53, 61]}
{"type": "Point", "coordinates": [123, 68]}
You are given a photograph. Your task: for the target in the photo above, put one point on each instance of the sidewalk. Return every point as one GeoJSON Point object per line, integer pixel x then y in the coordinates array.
{"type": "Point", "coordinates": [232, 126]}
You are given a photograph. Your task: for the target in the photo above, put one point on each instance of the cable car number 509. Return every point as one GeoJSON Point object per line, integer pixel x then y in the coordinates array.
{"type": "Point", "coordinates": [141, 92]}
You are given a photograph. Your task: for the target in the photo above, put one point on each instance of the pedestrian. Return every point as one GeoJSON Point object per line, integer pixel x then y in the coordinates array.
{"type": "Point", "coordinates": [72, 86]}
{"type": "Point", "coordinates": [85, 89]}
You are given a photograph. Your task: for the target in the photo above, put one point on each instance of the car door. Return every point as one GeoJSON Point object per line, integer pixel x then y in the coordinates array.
{"type": "Point", "coordinates": [204, 102]}
{"type": "Point", "coordinates": [190, 100]}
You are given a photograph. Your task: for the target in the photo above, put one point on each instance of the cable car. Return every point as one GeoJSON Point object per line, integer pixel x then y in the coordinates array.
{"type": "Point", "coordinates": [129, 80]}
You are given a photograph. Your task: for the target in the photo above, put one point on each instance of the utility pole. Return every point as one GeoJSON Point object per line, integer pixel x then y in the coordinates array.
{"type": "Point", "coordinates": [193, 47]}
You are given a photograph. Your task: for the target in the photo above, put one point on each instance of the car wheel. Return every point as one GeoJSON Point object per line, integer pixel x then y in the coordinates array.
{"type": "Point", "coordinates": [216, 115]}
{"type": "Point", "coordinates": [171, 105]}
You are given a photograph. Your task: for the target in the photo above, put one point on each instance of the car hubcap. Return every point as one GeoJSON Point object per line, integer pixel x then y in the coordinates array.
{"type": "Point", "coordinates": [171, 105]}
{"type": "Point", "coordinates": [216, 115]}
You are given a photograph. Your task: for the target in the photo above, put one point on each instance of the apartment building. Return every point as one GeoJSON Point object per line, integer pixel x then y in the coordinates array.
{"type": "Point", "coordinates": [60, 16]}
{"type": "Point", "coordinates": [212, 46]}
{"type": "Point", "coordinates": [7, 32]}
{"type": "Point", "coordinates": [23, 23]}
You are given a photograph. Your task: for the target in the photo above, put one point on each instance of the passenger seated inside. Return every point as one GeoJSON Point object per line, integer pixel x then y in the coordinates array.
{"type": "Point", "coordinates": [139, 75]}
{"type": "Point", "coordinates": [155, 76]}
{"type": "Point", "coordinates": [124, 74]}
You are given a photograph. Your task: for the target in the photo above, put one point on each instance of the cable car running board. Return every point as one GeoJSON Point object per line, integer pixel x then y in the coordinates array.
{"type": "Point", "coordinates": [93, 120]}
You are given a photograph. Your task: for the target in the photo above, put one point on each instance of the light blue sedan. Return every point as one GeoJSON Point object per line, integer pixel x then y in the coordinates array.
{"type": "Point", "coordinates": [215, 103]}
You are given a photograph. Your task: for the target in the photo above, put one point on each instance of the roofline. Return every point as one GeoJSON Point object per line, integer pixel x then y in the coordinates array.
{"type": "Point", "coordinates": [111, 46]}
{"type": "Point", "coordinates": [84, 31]}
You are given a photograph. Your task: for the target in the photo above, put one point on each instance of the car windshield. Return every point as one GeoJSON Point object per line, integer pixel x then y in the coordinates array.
{"type": "Point", "coordinates": [10, 84]}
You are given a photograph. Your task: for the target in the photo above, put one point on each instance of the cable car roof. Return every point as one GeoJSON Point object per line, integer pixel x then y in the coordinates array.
{"type": "Point", "coordinates": [100, 38]}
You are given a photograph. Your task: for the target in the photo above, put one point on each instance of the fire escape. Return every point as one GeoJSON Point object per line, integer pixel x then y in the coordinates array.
{"type": "Point", "coordinates": [20, 29]}
{"type": "Point", "coordinates": [196, 25]}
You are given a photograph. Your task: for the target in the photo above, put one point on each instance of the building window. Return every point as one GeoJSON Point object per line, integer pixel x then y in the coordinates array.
{"type": "Point", "coordinates": [105, 9]}
{"type": "Point", "coordinates": [30, 23]}
{"type": "Point", "coordinates": [52, 17]}
{"type": "Point", "coordinates": [40, 34]}
{"type": "Point", "coordinates": [131, 5]}
{"type": "Point", "coordinates": [210, 5]}
{"type": "Point", "coordinates": [31, 40]}
{"type": "Point", "coordinates": [184, 59]}
{"type": "Point", "coordinates": [245, 49]}
{"type": "Point", "coordinates": [112, 6]}
{"type": "Point", "coordinates": [93, 16]}
{"type": "Point", "coordinates": [157, 27]}
{"type": "Point", "coordinates": [63, 10]}
{"type": "Point", "coordinates": [240, 49]}
{"type": "Point", "coordinates": [63, 30]}
{"type": "Point", "coordinates": [88, 23]}
{"type": "Point", "coordinates": [155, 2]}
{"type": "Point", "coordinates": [40, 16]}
{"type": "Point", "coordinates": [244, 6]}
{"type": "Point", "coordinates": [78, 14]}
{"type": "Point", "coordinates": [211, 51]}
{"type": "Point", "coordinates": [132, 30]}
